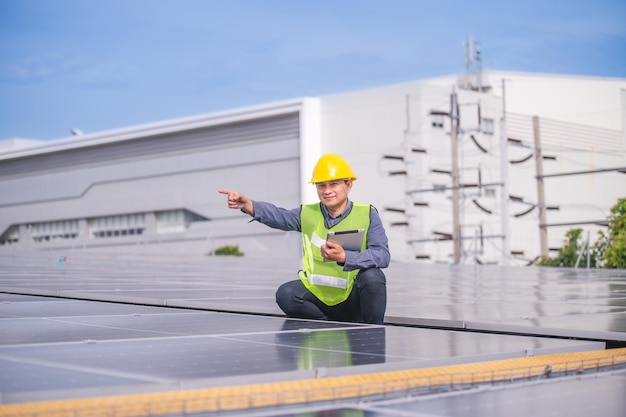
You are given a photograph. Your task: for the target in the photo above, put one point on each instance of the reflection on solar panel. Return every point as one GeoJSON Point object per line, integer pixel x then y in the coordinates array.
{"type": "Point", "coordinates": [104, 325]}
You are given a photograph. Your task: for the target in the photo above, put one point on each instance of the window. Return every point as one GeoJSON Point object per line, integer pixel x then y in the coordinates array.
{"type": "Point", "coordinates": [11, 236]}
{"type": "Point", "coordinates": [50, 231]}
{"type": "Point", "coordinates": [175, 221]}
{"type": "Point", "coordinates": [487, 126]}
{"type": "Point", "coordinates": [115, 226]}
{"type": "Point", "coordinates": [59, 230]}
{"type": "Point", "coordinates": [437, 120]}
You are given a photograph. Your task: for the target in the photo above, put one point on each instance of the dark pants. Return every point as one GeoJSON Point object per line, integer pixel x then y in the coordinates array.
{"type": "Point", "coordinates": [365, 304]}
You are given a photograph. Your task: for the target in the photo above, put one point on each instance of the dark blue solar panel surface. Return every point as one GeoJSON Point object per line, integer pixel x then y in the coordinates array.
{"type": "Point", "coordinates": [115, 324]}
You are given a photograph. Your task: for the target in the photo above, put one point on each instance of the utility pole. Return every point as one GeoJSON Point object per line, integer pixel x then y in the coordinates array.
{"type": "Point", "coordinates": [504, 174]}
{"type": "Point", "coordinates": [457, 239]}
{"type": "Point", "coordinates": [541, 194]}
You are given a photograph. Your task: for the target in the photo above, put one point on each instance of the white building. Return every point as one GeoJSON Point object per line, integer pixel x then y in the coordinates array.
{"type": "Point", "coordinates": [154, 187]}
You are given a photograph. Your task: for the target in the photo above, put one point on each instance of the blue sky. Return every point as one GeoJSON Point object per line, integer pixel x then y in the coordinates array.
{"type": "Point", "coordinates": [99, 65]}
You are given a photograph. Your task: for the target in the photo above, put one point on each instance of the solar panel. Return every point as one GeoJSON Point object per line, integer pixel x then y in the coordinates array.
{"type": "Point", "coordinates": [118, 324]}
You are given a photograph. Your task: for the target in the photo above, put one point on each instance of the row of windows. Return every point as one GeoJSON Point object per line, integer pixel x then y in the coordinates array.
{"type": "Point", "coordinates": [53, 230]}
{"type": "Point", "coordinates": [114, 233]}
{"type": "Point", "coordinates": [49, 238]}
{"type": "Point", "coordinates": [122, 222]}
{"type": "Point", "coordinates": [171, 221]}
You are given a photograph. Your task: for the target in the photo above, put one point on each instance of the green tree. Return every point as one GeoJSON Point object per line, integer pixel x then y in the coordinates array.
{"type": "Point", "coordinates": [610, 248]}
{"type": "Point", "coordinates": [568, 254]}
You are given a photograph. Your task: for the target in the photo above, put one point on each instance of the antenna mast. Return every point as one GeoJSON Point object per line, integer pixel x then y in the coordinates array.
{"type": "Point", "coordinates": [473, 65]}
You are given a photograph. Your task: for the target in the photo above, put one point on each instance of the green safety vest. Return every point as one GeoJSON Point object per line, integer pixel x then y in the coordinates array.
{"type": "Point", "coordinates": [327, 280]}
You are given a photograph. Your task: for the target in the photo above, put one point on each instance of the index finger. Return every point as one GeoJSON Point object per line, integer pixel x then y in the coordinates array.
{"type": "Point", "coordinates": [224, 191]}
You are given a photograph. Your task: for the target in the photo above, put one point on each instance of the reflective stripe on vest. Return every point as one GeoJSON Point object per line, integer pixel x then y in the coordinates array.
{"type": "Point", "coordinates": [328, 281]}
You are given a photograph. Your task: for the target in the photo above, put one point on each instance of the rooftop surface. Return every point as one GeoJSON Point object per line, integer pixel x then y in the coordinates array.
{"type": "Point", "coordinates": [85, 326]}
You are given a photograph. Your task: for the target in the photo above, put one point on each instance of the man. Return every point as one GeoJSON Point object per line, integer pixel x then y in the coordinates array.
{"type": "Point", "coordinates": [336, 284]}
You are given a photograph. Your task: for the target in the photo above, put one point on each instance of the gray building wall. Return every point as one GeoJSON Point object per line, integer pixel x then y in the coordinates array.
{"type": "Point", "coordinates": [145, 175]}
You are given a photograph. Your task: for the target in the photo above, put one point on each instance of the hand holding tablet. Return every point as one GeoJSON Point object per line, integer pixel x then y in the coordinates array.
{"type": "Point", "coordinates": [347, 239]}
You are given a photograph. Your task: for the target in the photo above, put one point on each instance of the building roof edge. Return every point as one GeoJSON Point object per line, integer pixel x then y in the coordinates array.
{"type": "Point", "coordinates": [149, 129]}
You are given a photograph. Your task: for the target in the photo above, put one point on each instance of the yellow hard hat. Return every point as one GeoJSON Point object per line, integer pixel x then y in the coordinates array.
{"type": "Point", "coordinates": [331, 167]}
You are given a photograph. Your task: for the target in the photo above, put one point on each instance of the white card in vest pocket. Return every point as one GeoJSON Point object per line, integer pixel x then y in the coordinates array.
{"type": "Point", "coordinates": [348, 239]}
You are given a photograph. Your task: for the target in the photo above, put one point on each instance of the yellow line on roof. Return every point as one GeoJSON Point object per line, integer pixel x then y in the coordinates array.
{"type": "Point", "coordinates": [243, 397]}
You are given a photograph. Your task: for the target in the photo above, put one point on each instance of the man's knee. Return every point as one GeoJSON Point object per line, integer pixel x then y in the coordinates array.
{"type": "Point", "coordinates": [371, 277]}
{"type": "Point", "coordinates": [284, 294]}
{"type": "Point", "coordinates": [294, 299]}
{"type": "Point", "coordinates": [289, 294]}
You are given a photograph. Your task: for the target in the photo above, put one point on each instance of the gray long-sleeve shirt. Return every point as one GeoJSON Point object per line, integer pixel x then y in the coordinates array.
{"type": "Point", "coordinates": [375, 255]}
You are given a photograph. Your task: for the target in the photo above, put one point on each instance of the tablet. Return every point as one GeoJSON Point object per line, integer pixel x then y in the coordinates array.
{"type": "Point", "coordinates": [348, 239]}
